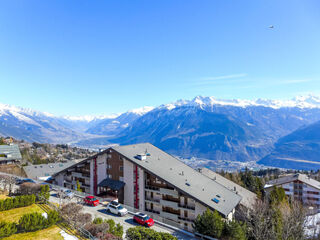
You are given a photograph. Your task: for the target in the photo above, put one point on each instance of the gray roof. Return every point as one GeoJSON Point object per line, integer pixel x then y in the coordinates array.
{"type": "Point", "coordinates": [292, 177]}
{"type": "Point", "coordinates": [47, 170]}
{"type": "Point", "coordinates": [248, 198]}
{"type": "Point", "coordinates": [12, 152]}
{"type": "Point", "coordinates": [181, 176]}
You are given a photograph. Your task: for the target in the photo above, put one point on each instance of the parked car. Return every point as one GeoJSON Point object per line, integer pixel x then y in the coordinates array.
{"type": "Point", "coordinates": [91, 200]}
{"type": "Point", "coordinates": [24, 180]}
{"type": "Point", "coordinates": [116, 208]}
{"type": "Point", "coordinates": [143, 219]}
{"type": "Point", "coordinates": [65, 193]}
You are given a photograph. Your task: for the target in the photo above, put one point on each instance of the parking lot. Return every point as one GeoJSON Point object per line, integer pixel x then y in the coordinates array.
{"type": "Point", "coordinates": [126, 221]}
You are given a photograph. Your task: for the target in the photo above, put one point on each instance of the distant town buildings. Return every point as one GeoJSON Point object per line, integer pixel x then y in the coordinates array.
{"type": "Point", "coordinates": [146, 178]}
{"type": "Point", "coordinates": [299, 187]}
{"type": "Point", "coordinates": [9, 154]}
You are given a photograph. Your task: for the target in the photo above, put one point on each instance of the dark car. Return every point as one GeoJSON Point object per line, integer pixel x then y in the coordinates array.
{"type": "Point", "coordinates": [143, 219]}
{"type": "Point", "coordinates": [91, 200]}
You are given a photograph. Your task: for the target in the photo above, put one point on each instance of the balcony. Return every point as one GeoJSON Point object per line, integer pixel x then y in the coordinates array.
{"type": "Point", "coordinates": [152, 200]}
{"type": "Point", "coordinates": [81, 175]}
{"type": "Point", "coordinates": [152, 211]}
{"type": "Point", "coordinates": [81, 184]}
{"type": "Point", "coordinates": [185, 219]}
{"type": "Point", "coordinates": [152, 189]}
{"type": "Point", "coordinates": [171, 204]}
{"type": "Point", "coordinates": [186, 207]}
{"type": "Point", "coordinates": [170, 192]}
{"type": "Point", "coordinates": [171, 216]}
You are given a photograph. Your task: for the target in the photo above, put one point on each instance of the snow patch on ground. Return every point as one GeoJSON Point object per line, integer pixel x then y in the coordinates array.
{"type": "Point", "coordinates": [67, 236]}
{"type": "Point", "coordinates": [313, 225]}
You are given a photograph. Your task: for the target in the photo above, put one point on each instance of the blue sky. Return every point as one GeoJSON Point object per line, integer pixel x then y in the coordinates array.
{"type": "Point", "coordinates": [98, 57]}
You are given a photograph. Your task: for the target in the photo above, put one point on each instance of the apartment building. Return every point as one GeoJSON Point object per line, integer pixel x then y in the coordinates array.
{"type": "Point", "coordinates": [299, 187]}
{"type": "Point", "coordinates": [10, 154]}
{"type": "Point", "coordinates": [146, 178]}
{"type": "Point", "coordinates": [248, 198]}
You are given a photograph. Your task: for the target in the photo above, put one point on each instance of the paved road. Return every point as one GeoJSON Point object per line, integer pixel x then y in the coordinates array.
{"type": "Point", "coordinates": [125, 221]}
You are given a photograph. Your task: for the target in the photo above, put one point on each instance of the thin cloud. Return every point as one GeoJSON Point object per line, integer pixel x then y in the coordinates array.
{"type": "Point", "coordinates": [219, 79]}
{"type": "Point", "coordinates": [294, 81]}
{"type": "Point", "coordinates": [232, 76]}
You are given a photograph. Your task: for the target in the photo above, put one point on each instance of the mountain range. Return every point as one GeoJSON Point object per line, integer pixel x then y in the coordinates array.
{"type": "Point", "coordinates": [204, 127]}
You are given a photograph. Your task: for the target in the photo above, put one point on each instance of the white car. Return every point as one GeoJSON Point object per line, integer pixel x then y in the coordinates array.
{"type": "Point", "coordinates": [116, 208]}
{"type": "Point", "coordinates": [65, 193]}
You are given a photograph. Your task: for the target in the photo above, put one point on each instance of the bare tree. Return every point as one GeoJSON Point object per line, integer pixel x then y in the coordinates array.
{"type": "Point", "coordinates": [7, 182]}
{"type": "Point", "coordinates": [273, 222]}
{"type": "Point", "coordinates": [83, 219]}
{"type": "Point", "coordinates": [293, 221]}
{"type": "Point", "coordinates": [71, 211]}
{"type": "Point", "coordinates": [29, 188]}
{"type": "Point", "coordinates": [258, 221]}
{"type": "Point", "coordinates": [98, 230]}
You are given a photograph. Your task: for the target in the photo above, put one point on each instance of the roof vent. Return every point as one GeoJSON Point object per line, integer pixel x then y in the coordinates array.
{"type": "Point", "coordinates": [215, 200]}
{"type": "Point", "coordinates": [141, 157]}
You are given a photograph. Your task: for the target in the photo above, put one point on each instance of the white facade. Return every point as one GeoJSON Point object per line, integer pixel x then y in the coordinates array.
{"type": "Point", "coordinates": [128, 179]}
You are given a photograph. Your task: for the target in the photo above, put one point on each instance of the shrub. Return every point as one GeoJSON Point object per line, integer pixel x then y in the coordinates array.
{"type": "Point", "coordinates": [7, 229]}
{"type": "Point", "coordinates": [53, 217]}
{"type": "Point", "coordinates": [32, 222]}
{"type": "Point", "coordinates": [44, 192]}
{"type": "Point", "coordinates": [142, 233]}
{"type": "Point", "coordinates": [97, 220]}
{"type": "Point", "coordinates": [114, 229]}
{"type": "Point", "coordinates": [16, 202]}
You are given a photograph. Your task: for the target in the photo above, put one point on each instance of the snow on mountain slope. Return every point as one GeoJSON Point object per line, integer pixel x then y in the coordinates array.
{"type": "Point", "coordinates": [309, 101]}
{"type": "Point", "coordinates": [273, 118]}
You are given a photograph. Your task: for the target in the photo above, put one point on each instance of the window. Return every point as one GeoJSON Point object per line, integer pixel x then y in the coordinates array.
{"type": "Point", "coordinates": [121, 168]}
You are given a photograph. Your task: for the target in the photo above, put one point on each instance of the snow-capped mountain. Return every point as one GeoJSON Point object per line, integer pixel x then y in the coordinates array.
{"type": "Point", "coordinates": [31, 125]}
{"type": "Point", "coordinates": [203, 127]}
{"type": "Point", "coordinates": [308, 101]}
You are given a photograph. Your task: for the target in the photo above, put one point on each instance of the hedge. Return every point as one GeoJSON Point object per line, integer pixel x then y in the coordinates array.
{"type": "Point", "coordinates": [29, 222]}
{"type": "Point", "coordinates": [35, 221]}
{"type": "Point", "coordinates": [141, 233]}
{"type": "Point", "coordinates": [7, 229]}
{"type": "Point", "coordinates": [16, 202]}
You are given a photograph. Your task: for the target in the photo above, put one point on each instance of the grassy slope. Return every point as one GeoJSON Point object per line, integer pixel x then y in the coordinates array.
{"type": "Point", "coordinates": [51, 233]}
{"type": "Point", "coordinates": [13, 215]}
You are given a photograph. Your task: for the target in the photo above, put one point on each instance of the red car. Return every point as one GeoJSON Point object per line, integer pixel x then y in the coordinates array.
{"type": "Point", "coordinates": [143, 219]}
{"type": "Point", "coordinates": [91, 200]}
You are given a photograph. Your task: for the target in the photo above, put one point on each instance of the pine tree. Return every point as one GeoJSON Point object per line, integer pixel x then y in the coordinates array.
{"type": "Point", "coordinates": [209, 223]}
{"type": "Point", "coordinates": [235, 231]}
{"type": "Point", "coordinates": [78, 186]}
